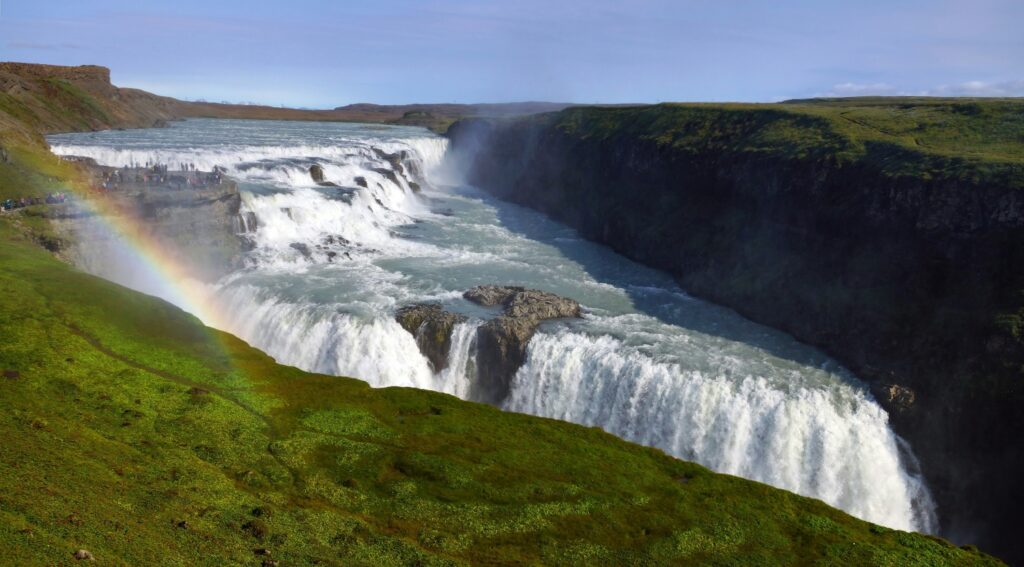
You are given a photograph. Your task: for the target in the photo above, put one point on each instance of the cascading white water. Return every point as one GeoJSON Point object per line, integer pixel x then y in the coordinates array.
{"type": "Point", "coordinates": [330, 265]}
{"type": "Point", "coordinates": [832, 443]}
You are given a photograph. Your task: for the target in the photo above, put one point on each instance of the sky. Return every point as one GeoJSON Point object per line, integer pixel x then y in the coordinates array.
{"type": "Point", "coordinates": [323, 53]}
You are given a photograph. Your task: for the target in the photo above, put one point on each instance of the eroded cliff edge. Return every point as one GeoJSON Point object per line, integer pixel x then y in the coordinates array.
{"type": "Point", "coordinates": [888, 233]}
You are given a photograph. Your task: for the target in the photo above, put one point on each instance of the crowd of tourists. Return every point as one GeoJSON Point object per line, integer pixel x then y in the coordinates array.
{"type": "Point", "coordinates": [22, 202]}
{"type": "Point", "coordinates": [187, 177]}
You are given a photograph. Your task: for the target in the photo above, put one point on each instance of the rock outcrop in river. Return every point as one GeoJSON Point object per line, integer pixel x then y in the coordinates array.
{"type": "Point", "coordinates": [432, 326]}
{"type": "Point", "coordinates": [500, 342]}
{"type": "Point", "coordinates": [193, 216]}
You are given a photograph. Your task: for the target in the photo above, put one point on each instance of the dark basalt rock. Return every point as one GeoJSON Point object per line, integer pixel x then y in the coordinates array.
{"type": "Point", "coordinates": [502, 341]}
{"type": "Point", "coordinates": [394, 159]}
{"type": "Point", "coordinates": [894, 397]}
{"type": "Point", "coordinates": [389, 174]}
{"type": "Point", "coordinates": [432, 326]}
{"type": "Point", "coordinates": [302, 248]}
{"type": "Point", "coordinates": [317, 173]}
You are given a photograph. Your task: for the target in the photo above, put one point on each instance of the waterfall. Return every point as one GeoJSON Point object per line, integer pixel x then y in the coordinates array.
{"type": "Point", "coordinates": [330, 264]}
{"type": "Point", "coordinates": [830, 443]}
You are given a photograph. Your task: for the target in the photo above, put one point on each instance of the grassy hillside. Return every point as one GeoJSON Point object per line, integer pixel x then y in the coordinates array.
{"type": "Point", "coordinates": [52, 98]}
{"type": "Point", "coordinates": [974, 139]}
{"type": "Point", "coordinates": [133, 431]}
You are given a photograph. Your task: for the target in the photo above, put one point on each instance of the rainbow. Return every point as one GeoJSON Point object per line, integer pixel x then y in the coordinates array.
{"type": "Point", "coordinates": [167, 276]}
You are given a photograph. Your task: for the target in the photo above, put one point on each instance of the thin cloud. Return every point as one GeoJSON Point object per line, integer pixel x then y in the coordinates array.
{"type": "Point", "coordinates": [980, 88]}
{"type": "Point", "coordinates": [42, 46]}
{"type": "Point", "coordinates": [862, 89]}
{"type": "Point", "coordinates": [969, 88]}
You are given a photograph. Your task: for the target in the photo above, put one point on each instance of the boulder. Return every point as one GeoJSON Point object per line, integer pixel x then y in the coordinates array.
{"type": "Point", "coordinates": [361, 181]}
{"type": "Point", "coordinates": [389, 174]}
{"type": "Point", "coordinates": [502, 341]}
{"type": "Point", "coordinates": [394, 159]}
{"type": "Point", "coordinates": [894, 397]}
{"type": "Point", "coordinates": [83, 555]}
{"type": "Point", "coordinates": [432, 326]}
{"type": "Point", "coordinates": [302, 248]}
{"type": "Point", "coordinates": [317, 173]}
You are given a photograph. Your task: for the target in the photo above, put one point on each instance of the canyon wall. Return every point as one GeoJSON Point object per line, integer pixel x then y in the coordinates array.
{"type": "Point", "coordinates": [902, 264]}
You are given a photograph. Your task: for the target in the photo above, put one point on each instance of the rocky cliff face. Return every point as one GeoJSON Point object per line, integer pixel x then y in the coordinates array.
{"type": "Point", "coordinates": [432, 326]}
{"type": "Point", "coordinates": [911, 280]}
{"type": "Point", "coordinates": [198, 226]}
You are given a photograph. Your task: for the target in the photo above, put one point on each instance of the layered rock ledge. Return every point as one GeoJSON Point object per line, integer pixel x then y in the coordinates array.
{"type": "Point", "coordinates": [432, 326]}
{"type": "Point", "coordinates": [500, 342]}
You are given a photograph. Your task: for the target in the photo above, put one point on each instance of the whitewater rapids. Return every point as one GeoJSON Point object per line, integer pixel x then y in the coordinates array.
{"type": "Point", "coordinates": [329, 265]}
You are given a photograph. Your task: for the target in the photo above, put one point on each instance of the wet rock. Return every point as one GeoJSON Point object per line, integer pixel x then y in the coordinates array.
{"type": "Point", "coordinates": [302, 248]}
{"type": "Point", "coordinates": [894, 396]}
{"type": "Point", "coordinates": [245, 223]}
{"type": "Point", "coordinates": [332, 239]}
{"type": "Point", "coordinates": [389, 174]}
{"type": "Point", "coordinates": [361, 181]}
{"type": "Point", "coordinates": [395, 159]}
{"type": "Point", "coordinates": [502, 341]}
{"type": "Point", "coordinates": [432, 326]}
{"type": "Point", "coordinates": [317, 173]}
{"type": "Point", "coordinates": [415, 187]}
{"type": "Point", "coordinates": [84, 555]}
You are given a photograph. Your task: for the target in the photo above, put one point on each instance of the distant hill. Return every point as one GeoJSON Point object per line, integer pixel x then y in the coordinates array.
{"type": "Point", "coordinates": [52, 98]}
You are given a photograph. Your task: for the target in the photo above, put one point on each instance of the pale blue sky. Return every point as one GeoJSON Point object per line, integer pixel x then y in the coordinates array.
{"type": "Point", "coordinates": [322, 53]}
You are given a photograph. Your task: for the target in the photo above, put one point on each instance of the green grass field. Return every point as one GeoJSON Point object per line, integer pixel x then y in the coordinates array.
{"type": "Point", "coordinates": [975, 139]}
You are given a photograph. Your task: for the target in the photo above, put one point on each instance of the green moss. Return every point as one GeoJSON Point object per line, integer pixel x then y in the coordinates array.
{"type": "Point", "coordinates": [979, 140]}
